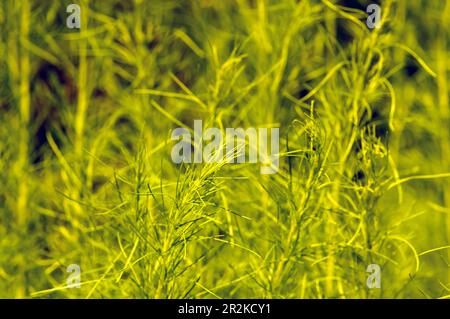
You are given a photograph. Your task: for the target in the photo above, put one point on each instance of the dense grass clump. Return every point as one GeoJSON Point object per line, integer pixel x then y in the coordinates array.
{"type": "Point", "coordinates": [87, 177]}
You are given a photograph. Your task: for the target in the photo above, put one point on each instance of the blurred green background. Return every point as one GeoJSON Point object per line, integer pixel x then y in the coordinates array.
{"type": "Point", "coordinates": [87, 179]}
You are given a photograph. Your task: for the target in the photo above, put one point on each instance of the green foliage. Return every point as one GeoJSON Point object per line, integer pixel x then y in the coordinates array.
{"type": "Point", "coordinates": [85, 147]}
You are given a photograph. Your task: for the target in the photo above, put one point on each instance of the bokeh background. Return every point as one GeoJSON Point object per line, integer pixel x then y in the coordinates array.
{"type": "Point", "coordinates": [86, 174]}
